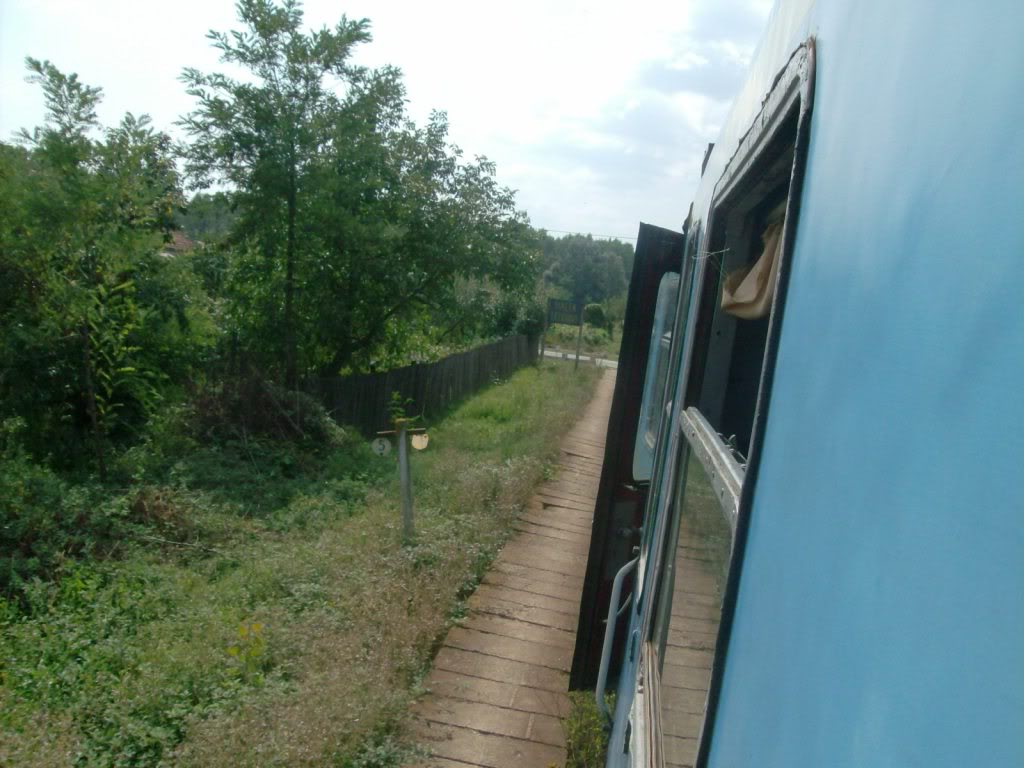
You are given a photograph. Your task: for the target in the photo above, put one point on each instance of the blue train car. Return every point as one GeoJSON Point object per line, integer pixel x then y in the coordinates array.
{"type": "Point", "coordinates": [808, 548]}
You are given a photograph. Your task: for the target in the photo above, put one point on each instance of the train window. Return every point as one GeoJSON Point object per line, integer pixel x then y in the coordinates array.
{"type": "Point", "coordinates": [742, 257]}
{"type": "Point", "coordinates": [653, 407]}
{"type": "Point", "coordinates": [689, 604]}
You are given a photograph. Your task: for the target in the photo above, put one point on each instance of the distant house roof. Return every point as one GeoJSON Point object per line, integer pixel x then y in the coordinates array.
{"type": "Point", "coordinates": [180, 243]}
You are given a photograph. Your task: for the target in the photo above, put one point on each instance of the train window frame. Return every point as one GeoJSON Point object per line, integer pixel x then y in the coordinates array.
{"type": "Point", "coordinates": [733, 477]}
{"type": "Point", "coordinates": [654, 408]}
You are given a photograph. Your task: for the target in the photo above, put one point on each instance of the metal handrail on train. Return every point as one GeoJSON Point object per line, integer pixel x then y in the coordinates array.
{"type": "Point", "coordinates": [614, 611]}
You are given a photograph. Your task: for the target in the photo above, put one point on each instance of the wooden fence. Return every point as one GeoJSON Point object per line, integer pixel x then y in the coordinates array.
{"type": "Point", "coordinates": [362, 400]}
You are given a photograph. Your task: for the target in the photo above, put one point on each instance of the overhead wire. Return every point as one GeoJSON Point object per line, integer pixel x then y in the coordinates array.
{"type": "Point", "coordinates": [588, 234]}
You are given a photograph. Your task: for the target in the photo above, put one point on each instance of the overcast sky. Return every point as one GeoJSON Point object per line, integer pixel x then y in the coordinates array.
{"type": "Point", "coordinates": [596, 112]}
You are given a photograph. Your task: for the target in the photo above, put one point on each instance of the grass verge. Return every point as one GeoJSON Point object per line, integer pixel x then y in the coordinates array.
{"type": "Point", "coordinates": [586, 733]}
{"type": "Point", "coordinates": [287, 625]}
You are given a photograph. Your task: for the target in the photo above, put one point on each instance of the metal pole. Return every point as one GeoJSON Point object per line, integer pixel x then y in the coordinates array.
{"type": "Point", "coordinates": [579, 342]}
{"type": "Point", "coordinates": [544, 336]}
{"type": "Point", "coordinates": [405, 478]}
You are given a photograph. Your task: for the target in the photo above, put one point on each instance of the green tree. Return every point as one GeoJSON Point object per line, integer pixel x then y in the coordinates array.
{"type": "Point", "coordinates": [265, 138]}
{"type": "Point", "coordinates": [81, 224]}
{"type": "Point", "coordinates": [588, 270]}
{"type": "Point", "coordinates": [355, 224]}
{"type": "Point", "coordinates": [409, 227]}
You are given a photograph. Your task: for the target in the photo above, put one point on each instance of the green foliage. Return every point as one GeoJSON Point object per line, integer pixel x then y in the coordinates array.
{"type": "Point", "coordinates": [182, 538]}
{"type": "Point", "coordinates": [531, 322]}
{"type": "Point", "coordinates": [398, 405]}
{"type": "Point", "coordinates": [585, 269]}
{"type": "Point", "coordinates": [343, 200]}
{"type": "Point", "coordinates": [285, 485]}
{"type": "Point", "coordinates": [94, 322]}
{"type": "Point", "coordinates": [597, 342]}
{"type": "Point", "coordinates": [208, 218]}
{"type": "Point", "coordinates": [249, 406]}
{"type": "Point", "coordinates": [105, 641]}
{"type": "Point", "coordinates": [586, 734]}
{"type": "Point", "coordinates": [111, 650]}
{"type": "Point", "coordinates": [249, 652]}
{"type": "Point", "coordinates": [265, 139]}
{"type": "Point", "coordinates": [225, 639]}
{"type": "Point", "coordinates": [615, 310]}
{"type": "Point", "coordinates": [383, 750]}
{"type": "Point", "coordinates": [44, 521]}
{"type": "Point", "coordinates": [594, 314]}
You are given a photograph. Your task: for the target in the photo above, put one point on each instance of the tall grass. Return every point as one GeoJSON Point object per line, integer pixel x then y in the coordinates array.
{"type": "Point", "coordinates": [291, 627]}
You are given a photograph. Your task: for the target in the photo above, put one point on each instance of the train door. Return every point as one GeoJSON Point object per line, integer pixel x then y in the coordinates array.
{"type": "Point", "coordinates": [631, 443]}
{"type": "Point", "coordinates": [693, 542]}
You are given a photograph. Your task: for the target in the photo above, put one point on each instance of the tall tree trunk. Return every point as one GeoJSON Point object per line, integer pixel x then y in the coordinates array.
{"type": "Point", "coordinates": [290, 363]}
{"type": "Point", "coordinates": [90, 400]}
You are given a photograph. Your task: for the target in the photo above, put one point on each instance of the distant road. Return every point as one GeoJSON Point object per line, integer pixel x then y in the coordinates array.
{"type": "Point", "coordinates": [600, 361]}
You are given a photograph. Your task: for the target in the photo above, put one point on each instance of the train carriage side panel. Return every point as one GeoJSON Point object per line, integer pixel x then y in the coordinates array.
{"type": "Point", "coordinates": [879, 616]}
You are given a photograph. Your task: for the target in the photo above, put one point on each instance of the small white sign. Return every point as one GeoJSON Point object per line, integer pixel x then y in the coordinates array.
{"type": "Point", "coordinates": [381, 446]}
{"type": "Point", "coordinates": [420, 440]}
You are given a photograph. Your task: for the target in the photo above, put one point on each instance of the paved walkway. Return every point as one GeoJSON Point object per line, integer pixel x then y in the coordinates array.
{"type": "Point", "coordinates": [499, 683]}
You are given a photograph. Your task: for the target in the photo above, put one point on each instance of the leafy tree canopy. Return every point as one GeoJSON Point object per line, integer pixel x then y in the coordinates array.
{"type": "Point", "coordinates": [342, 236]}
{"type": "Point", "coordinates": [343, 202]}
{"type": "Point", "coordinates": [93, 321]}
{"type": "Point", "coordinates": [588, 270]}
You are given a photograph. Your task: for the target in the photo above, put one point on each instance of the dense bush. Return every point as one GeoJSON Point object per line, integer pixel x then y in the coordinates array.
{"type": "Point", "coordinates": [532, 321]}
{"type": "Point", "coordinates": [45, 520]}
{"type": "Point", "coordinates": [250, 406]}
{"type": "Point", "coordinates": [593, 314]}
{"type": "Point", "coordinates": [586, 732]}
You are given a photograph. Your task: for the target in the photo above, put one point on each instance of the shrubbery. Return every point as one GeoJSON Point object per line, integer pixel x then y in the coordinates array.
{"type": "Point", "coordinates": [593, 314]}
{"type": "Point", "coordinates": [45, 520]}
{"type": "Point", "coordinates": [236, 572]}
{"type": "Point", "coordinates": [251, 406]}
{"type": "Point", "coordinates": [586, 732]}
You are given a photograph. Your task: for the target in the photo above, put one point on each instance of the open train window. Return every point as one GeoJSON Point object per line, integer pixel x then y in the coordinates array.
{"type": "Point", "coordinates": [742, 257]}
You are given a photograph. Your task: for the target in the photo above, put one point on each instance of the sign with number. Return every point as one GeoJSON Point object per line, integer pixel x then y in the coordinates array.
{"type": "Point", "coordinates": [565, 312]}
{"type": "Point", "coordinates": [381, 446]}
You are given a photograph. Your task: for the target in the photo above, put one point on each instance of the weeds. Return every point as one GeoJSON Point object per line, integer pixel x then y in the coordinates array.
{"type": "Point", "coordinates": [586, 733]}
{"type": "Point", "coordinates": [383, 750]}
{"type": "Point", "coordinates": [281, 622]}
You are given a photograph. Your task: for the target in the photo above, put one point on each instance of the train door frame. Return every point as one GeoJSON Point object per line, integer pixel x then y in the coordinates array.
{"type": "Point", "coordinates": [621, 498]}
